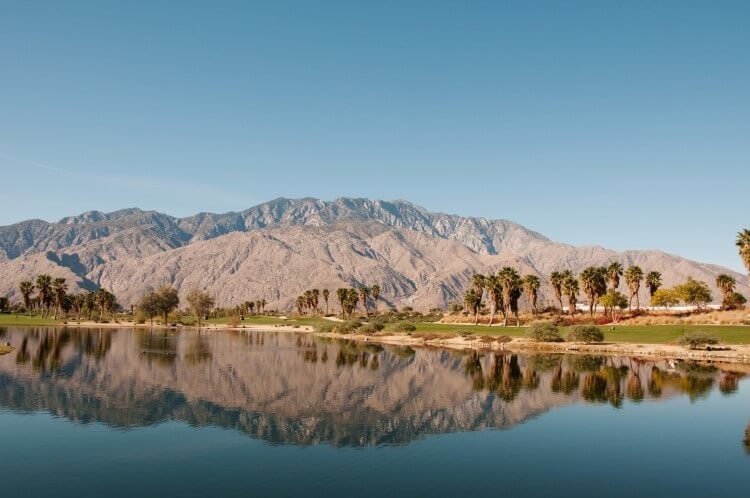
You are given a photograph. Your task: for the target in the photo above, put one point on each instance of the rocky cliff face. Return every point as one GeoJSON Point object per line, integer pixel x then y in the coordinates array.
{"type": "Point", "coordinates": [277, 249]}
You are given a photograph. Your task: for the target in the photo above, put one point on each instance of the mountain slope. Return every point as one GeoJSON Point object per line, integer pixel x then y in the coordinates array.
{"type": "Point", "coordinates": [280, 248]}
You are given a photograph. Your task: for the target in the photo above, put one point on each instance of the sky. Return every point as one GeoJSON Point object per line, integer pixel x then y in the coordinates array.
{"type": "Point", "coordinates": [621, 124]}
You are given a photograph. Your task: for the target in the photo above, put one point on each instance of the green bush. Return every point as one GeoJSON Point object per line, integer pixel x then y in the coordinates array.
{"type": "Point", "coordinates": [697, 339]}
{"type": "Point", "coordinates": [585, 333]}
{"type": "Point", "coordinates": [346, 327]}
{"type": "Point", "coordinates": [544, 332]}
{"type": "Point", "coordinates": [371, 328]}
{"type": "Point", "coordinates": [404, 327]}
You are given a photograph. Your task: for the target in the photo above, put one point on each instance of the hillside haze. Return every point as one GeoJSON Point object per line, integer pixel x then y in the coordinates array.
{"type": "Point", "coordinates": [277, 249]}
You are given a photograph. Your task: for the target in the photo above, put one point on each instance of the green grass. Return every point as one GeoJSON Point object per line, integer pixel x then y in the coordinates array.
{"type": "Point", "coordinates": [13, 319]}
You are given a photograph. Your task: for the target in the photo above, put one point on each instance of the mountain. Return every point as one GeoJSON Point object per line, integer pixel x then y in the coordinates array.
{"type": "Point", "coordinates": [277, 249]}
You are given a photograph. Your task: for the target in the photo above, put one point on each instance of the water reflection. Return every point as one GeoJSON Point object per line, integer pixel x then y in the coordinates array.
{"type": "Point", "coordinates": [297, 389]}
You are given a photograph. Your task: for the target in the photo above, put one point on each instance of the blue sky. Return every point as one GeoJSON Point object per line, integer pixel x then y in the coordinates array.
{"type": "Point", "coordinates": [623, 124]}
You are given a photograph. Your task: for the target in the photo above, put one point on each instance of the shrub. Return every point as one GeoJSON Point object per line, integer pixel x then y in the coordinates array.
{"type": "Point", "coordinates": [695, 340]}
{"type": "Point", "coordinates": [346, 327]}
{"type": "Point", "coordinates": [544, 332]}
{"type": "Point", "coordinates": [371, 328]}
{"type": "Point", "coordinates": [585, 333]}
{"type": "Point", "coordinates": [734, 301]}
{"type": "Point", "coordinates": [404, 327]}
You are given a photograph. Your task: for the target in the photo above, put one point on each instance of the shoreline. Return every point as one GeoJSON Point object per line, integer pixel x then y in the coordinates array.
{"type": "Point", "coordinates": [737, 353]}
{"type": "Point", "coordinates": [726, 353]}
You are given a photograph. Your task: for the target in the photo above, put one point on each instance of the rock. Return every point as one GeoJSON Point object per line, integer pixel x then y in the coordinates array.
{"type": "Point", "coordinates": [277, 249]}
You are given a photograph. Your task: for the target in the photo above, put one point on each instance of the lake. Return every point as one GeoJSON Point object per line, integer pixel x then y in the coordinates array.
{"type": "Point", "coordinates": [123, 413]}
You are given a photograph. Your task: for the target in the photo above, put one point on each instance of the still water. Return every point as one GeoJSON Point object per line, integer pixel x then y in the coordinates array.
{"type": "Point", "coordinates": [123, 413]}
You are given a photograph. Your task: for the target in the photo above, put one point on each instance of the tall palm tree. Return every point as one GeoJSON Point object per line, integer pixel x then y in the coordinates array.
{"type": "Point", "coordinates": [515, 296]}
{"type": "Point", "coordinates": [352, 299]}
{"type": "Point", "coordinates": [570, 289]}
{"type": "Point", "coordinates": [59, 289]}
{"type": "Point", "coordinates": [26, 287]}
{"type": "Point", "coordinates": [44, 291]}
{"type": "Point", "coordinates": [743, 244]}
{"type": "Point", "coordinates": [614, 272]}
{"type": "Point", "coordinates": [510, 281]}
{"type": "Point", "coordinates": [633, 277]}
{"type": "Point", "coordinates": [106, 302]}
{"type": "Point", "coordinates": [315, 298]}
{"type": "Point", "coordinates": [326, 295]}
{"type": "Point", "coordinates": [556, 280]}
{"type": "Point", "coordinates": [726, 284]}
{"type": "Point", "coordinates": [653, 282]}
{"type": "Point", "coordinates": [341, 294]}
{"type": "Point", "coordinates": [364, 294]}
{"type": "Point", "coordinates": [375, 291]}
{"type": "Point", "coordinates": [531, 284]}
{"type": "Point", "coordinates": [472, 301]}
{"type": "Point", "coordinates": [477, 280]}
{"type": "Point", "coordinates": [79, 303]}
{"type": "Point", "coordinates": [494, 295]}
{"type": "Point", "coordinates": [594, 283]}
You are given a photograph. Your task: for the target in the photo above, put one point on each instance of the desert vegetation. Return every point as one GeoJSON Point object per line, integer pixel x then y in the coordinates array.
{"type": "Point", "coordinates": [48, 297]}
{"type": "Point", "coordinates": [349, 298]}
{"type": "Point", "coordinates": [504, 292]}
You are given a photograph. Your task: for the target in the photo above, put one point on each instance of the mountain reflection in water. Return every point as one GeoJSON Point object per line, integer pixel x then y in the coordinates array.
{"type": "Point", "coordinates": [297, 389]}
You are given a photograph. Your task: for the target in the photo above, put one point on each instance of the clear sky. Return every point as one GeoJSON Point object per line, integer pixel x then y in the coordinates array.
{"type": "Point", "coordinates": [619, 123]}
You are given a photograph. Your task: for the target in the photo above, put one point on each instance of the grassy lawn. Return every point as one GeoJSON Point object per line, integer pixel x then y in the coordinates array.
{"type": "Point", "coordinates": [13, 319]}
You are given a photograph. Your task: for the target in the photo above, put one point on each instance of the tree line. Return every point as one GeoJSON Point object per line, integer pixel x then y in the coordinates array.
{"type": "Point", "coordinates": [165, 300]}
{"type": "Point", "coordinates": [49, 296]}
{"type": "Point", "coordinates": [599, 284]}
{"type": "Point", "coordinates": [348, 298]}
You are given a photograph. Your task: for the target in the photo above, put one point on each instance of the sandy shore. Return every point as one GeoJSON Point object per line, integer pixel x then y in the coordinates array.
{"type": "Point", "coordinates": [730, 353]}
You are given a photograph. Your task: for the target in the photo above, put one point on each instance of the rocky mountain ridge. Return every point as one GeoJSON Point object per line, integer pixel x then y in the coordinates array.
{"type": "Point", "coordinates": [277, 249]}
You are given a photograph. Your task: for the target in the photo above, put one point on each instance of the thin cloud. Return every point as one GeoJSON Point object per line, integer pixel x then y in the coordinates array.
{"type": "Point", "coordinates": [152, 185]}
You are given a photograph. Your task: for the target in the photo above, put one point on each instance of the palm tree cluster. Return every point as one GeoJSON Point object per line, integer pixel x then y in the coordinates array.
{"type": "Point", "coordinates": [52, 298]}
{"type": "Point", "coordinates": [250, 307]}
{"type": "Point", "coordinates": [309, 300]}
{"type": "Point", "coordinates": [350, 297]}
{"type": "Point", "coordinates": [504, 290]}
{"type": "Point", "coordinates": [731, 299]}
